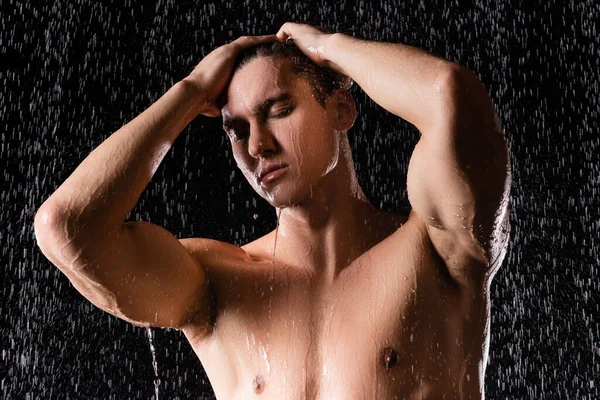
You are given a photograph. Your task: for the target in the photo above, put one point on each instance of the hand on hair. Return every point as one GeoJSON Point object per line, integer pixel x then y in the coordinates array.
{"type": "Point", "coordinates": [310, 40]}
{"type": "Point", "coordinates": [211, 75]}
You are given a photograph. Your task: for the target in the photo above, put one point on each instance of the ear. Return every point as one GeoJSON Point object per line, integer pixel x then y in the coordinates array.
{"type": "Point", "coordinates": [344, 110]}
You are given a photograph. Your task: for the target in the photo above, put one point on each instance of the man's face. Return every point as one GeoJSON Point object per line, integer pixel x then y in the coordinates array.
{"type": "Point", "coordinates": [274, 121]}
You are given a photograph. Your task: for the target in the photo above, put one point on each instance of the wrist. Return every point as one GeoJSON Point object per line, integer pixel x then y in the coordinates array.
{"type": "Point", "coordinates": [194, 92]}
{"type": "Point", "coordinates": [332, 46]}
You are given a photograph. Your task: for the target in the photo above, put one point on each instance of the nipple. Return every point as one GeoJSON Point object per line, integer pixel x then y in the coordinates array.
{"type": "Point", "coordinates": [258, 384]}
{"type": "Point", "coordinates": [389, 357]}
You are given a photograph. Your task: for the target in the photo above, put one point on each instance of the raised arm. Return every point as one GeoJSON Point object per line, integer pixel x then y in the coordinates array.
{"type": "Point", "coordinates": [459, 174]}
{"type": "Point", "coordinates": [136, 271]}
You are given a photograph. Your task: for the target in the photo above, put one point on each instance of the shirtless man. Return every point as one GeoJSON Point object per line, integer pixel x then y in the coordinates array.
{"type": "Point", "coordinates": [342, 301]}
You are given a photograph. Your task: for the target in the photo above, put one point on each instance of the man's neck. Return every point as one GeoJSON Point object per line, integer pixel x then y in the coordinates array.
{"type": "Point", "coordinates": [326, 233]}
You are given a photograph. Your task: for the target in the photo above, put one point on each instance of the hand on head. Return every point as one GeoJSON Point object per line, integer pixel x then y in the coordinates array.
{"type": "Point", "coordinates": [311, 40]}
{"type": "Point", "coordinates": [211, 75]}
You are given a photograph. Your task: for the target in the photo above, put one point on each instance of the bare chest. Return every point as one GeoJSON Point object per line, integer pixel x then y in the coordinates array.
{"type": "Point", "coordinates": [390, 316]}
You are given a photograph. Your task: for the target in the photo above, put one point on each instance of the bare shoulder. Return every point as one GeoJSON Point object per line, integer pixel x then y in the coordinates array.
{"type": "Point", "coordinates": [227, 265]}
{"type": "Point", "coordinates": [203, 247]}
{"type": "Point", "coordinates": [214, 255]}
{"type": "Point", "coordinates": [220, 262]}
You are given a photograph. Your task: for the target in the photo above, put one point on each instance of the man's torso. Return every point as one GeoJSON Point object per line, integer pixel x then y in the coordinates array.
{"type": "Point", "coordinates": [393, 324]}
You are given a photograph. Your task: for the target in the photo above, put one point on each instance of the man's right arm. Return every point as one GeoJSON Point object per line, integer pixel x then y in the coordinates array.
{"type": "Point", "coordinates": [136, 271]}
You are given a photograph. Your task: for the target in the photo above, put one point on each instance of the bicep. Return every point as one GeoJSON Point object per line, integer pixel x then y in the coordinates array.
{"type": "Point", "coordinates": [458, 184]}
{"type": "Point", "coordinates": [141, 274]}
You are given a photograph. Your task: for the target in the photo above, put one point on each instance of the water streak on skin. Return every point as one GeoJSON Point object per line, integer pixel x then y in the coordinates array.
{"type": "Point", "coordinates": [336, 155]}
{"type": "Point", "coordinates": [276, 232]}
{"type": "Point", "coordinates": [296, 153]}
{"type": "Point", "coordinates": [258, 384]}
{"type": "Point", "coordinates": [264, 355]}
{"type": "Point", "coordinates": [316, 50]}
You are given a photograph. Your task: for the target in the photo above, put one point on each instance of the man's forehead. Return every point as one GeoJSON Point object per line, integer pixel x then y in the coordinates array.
{"type": "Point", "coordinates": [262, 78]}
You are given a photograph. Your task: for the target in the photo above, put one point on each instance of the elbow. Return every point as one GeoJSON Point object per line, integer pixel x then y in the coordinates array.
{"type": "Point", "coordinates": [465, 105]}
{"type": "Point", "coordinates": [43, 217]}
{"type": "Point", "coordinates": [44, 222]}
{"type": "Point", "coordinates": [50, 231]}
{"type": "Point", "coordinates": [47, 220]}
{"type": "Point", "coordinates": [453, 73]}
{"type": "Point", "coordinates": [459, 84]}
{"type": "Point", "coordinates": [44, 229]}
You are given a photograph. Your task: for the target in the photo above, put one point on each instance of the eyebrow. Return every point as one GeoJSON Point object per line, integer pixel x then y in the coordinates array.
{"type": "Point", "coordinates": [261, 107]}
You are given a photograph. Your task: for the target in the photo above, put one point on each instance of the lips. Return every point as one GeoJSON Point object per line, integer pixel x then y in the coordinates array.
{"type": "Point", "coordinates": [267, 169]}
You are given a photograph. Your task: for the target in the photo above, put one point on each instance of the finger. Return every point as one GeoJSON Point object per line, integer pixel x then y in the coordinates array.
{"type": "Point", "coordinates": [285, 32]}
{"type": "Point", "coordinates": [245, 42]}
{"type": "Point", "coordinates": [284, 37]}
{"type": "Point", "coordinates": [264, 38]}
{"type": "Point", "coordinates": [249, 41]}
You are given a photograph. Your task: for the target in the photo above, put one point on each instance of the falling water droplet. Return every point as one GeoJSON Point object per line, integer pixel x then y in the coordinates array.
{"type": "Point", "coordinates": [154, 363]}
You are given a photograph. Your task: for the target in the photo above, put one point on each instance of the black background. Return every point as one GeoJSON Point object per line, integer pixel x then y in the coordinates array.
{"type": "Point", "coordinates": [73, 72]}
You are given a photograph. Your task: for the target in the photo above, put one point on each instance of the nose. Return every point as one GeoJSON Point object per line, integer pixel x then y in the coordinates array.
{"type": "Point", "coordinates": [261, 141]}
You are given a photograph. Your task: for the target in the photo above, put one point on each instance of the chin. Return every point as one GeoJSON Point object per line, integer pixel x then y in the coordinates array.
{"type": "Point", "coordinates": [285, 195]}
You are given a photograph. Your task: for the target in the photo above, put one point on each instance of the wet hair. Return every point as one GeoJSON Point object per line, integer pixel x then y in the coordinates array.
{"type": "Point", "coordinates": [323, 81]}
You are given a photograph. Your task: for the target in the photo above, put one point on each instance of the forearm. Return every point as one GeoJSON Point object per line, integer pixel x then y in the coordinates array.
{"type": "Point", "coordinates": [105, 187]}
{"type": "Point", "coordinates": [404, 80]}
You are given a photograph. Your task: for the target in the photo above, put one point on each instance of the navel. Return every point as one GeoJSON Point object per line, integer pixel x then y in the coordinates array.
{"type": "Point", "coordinates": [388, 357]}
{"type": "Point", "coordinates": [258, 384]}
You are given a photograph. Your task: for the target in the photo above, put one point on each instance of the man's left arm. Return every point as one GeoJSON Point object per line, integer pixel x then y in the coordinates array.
{"type": "Point", "coordinates": [459, 174]}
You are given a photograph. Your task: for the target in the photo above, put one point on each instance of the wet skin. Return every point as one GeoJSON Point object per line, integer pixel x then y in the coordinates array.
{"type": "Point", "coordinates": [358, 307]}
{"type": "Point", "coordinates": [392, 325]}
{"type": "Point", "coordinates": [342, 300]}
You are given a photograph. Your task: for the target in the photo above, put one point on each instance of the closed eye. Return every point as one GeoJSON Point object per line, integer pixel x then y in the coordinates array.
{"type": "Point", "coordinates": [282, 112]}
{"type": "Point", "coordinates": [237, 130]}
